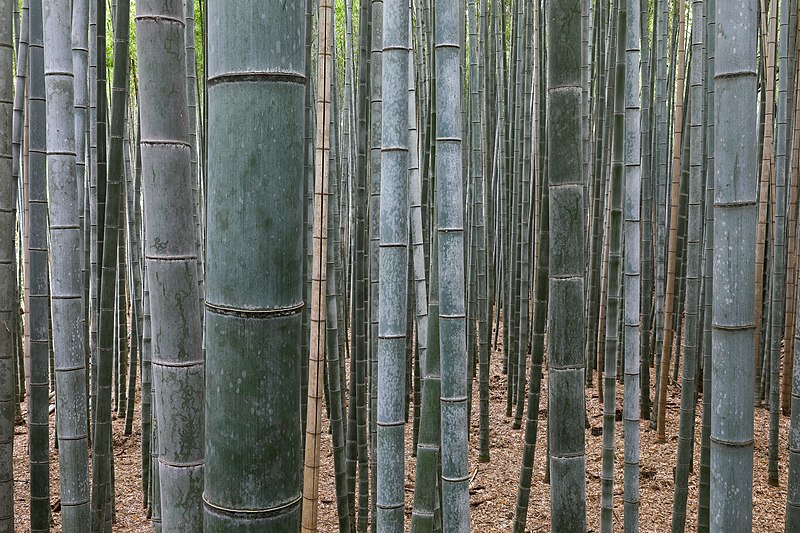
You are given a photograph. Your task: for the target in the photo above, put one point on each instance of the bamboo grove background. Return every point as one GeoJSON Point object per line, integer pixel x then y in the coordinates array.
{"type": "Point", "coordinates": [265, 214]}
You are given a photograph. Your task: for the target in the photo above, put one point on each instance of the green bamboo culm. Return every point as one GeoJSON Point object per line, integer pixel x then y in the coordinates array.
{"type": "Point", "coordinates": [375, 132]}
{"type": "Point", "coordinates": [65, 269]}
{"type": "Point", "coordinates": [778, 286]}
{"type": "Point", "coordinates": [102, 484]}
{"type": "Point", "coordinates": [80, 65]}
{"type": "Point", "coordinates": [731, 502]}
{"type": "Point", "coordinates": [94, 201]}
{"type": "Point", "coordinates": [705, 434]}
{"type": "Point", "coordinates": [537, 356]}
{"type": "Point", "coordinates": [567, 259]}
{"type": "Point", "coordinates": [614, 291]}
{"type": "Point", "coordinates": [417, 240]}
{"type": "Point", "coordinates": [357, 457]}
{"type": "Point", "coordinates": [170, 253]}
{"type": "Point", "coordinates": [8, 278]}
{"type": "Point", "coordinates": [693, 330]}
{"type": "Point", "coordinates": [392, 305]}
{"type": "Point", "coordinates": [254, 265]}
{"type": "Point", "coordinates": [334, 375]}
{"type": "Point", "coordinates": [632, 264]}
{"type": "Point", "coordinates": [38, 320]}
{"type": "Point", "coordinates": [448, 26]}
{"type": "Point", "coordinates": [428, 450]}
{"type": "Point", "coordinates": [21, 75]}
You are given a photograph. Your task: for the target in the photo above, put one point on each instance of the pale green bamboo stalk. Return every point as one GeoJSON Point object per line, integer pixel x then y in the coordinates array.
{"type": "Point", "coordinates": [94, 267]}
{"type": "Point", "coordinates": [38, 319]}
{"type": "Point", "coordinates": [102, 458]}
{"type": "Point", "coordinates": [9, 303]}
{"type": "Point", "coordinates": [693, 327]}
{"type": "Point", "coordinates": [778, 288]}
{"type": "Point", "coordinates": [597, 186]}
{"type": "Point", "coordinates": [390, 416]}
{"type": "Point", "coordinates": [121, 400]}
{"type": "Point", "coordinates": [20, 79]}
{"type": "Point", "coordinates": [648, 75]}
{"type": "Point", "coordinates": [192, 115]}
{"type": "Point", "coordinates": [335, 358]}
{"type": "Point", "coordinates": [415, 207]}
{"type": "Point", "coordinates": [566, 346]}
{"type": "Point", "coordinates": [483, 197]}
{"type": "Point", "coordinates": [615, 266]}
{"type": "Point", "coordinates": [100, 122]}
{"type": "Point", "coordinates": [423, 517]}
{"type": "Point", "coordinates": [65, 271]}
{"type": "Point", "coordinates": [735, 213]}
{"type": "Point", "coordinates": [172, 266]}
{"type": "Point", "coordinates": [660, 159]}
{"type": "Point", "coordinates": [173, 269]}
{"type": "Point", "coordinates": [452, 321]}
{"type": "Point", "coordinates": [80, 59]}
{"type": "Point", "coordinates": [358, 461]}
{"type": "Point", "coordinates": [527, 201]}
{"type": "Point", "coordinates": [134, 225]}
{"type": "Point", "coordinates": [375, 118]}
{"type": "Point", "coordinates": [705, 435]}
{"type": "Point", "coordinates": [537, 355]}
{"type": "Point", "coordinates": [632, 288]}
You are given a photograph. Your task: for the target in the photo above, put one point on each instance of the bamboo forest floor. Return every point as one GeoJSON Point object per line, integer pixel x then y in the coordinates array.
{"type": "Point", "coordinates": [494, 485]}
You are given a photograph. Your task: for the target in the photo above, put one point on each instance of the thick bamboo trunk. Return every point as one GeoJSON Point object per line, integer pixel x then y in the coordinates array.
{"type": "Point", "coordinates": [254, 283]}
{"type": "Point", "coordinates": [566, 349]}
{"type": "Point", "coordinates": [735, 212]}
{"type": "Point", "coordinates": [65, 238]}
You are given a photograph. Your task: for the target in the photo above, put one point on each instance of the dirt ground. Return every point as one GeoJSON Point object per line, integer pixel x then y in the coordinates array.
{"type": "Point", "coordinates": [494, 484]}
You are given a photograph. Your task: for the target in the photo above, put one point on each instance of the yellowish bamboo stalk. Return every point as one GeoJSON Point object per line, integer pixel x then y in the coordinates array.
{"type": "Point", "coordinates": [26, 267]}
{"type": "Point", "coordinates": [768, 34]}
{"type": "Point", "coordinates": [316, 364]}
{"type": "Point", "coordinates": [666, 349]}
